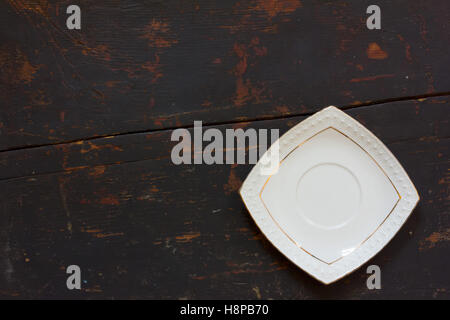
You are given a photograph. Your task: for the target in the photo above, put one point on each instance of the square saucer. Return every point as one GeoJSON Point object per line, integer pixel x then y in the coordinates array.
{"type": "Point", "coordinates": [334, 198]}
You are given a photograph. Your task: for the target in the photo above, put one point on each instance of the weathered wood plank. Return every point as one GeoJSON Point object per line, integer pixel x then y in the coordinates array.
{"type": "Point", "coordinates": [145, 228]}
{"type": "Point", "coordinates": [143, 65]}
{"type": "Point", "coordinates": [95, 154]}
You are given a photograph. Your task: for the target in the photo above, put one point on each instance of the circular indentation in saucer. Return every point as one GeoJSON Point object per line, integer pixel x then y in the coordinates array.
{"type": "Point", "coordinates": [328, 195]}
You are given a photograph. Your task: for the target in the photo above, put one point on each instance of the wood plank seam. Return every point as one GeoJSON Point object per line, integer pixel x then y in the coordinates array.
{"type": "Point", "coordinates": [291, 115]}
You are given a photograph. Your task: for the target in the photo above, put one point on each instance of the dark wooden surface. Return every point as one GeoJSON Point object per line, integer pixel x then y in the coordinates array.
{"type": "Point", "coordinates": [86, 117]}
{"type": "Point", "coordinates": [143, 65]}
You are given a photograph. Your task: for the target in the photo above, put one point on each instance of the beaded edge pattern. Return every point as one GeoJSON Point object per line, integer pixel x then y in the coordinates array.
{"type": "Point", "coordinates": [332, 116]}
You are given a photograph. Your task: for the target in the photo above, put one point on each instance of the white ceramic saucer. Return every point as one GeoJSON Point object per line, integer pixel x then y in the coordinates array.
{"type": "Point", "coordinates": [335, 197]}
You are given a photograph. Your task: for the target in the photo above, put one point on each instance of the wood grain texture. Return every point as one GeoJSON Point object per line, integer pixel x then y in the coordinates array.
{"type": "Point", "coordinates": [142, 65]}
{"type": "Point", "coordinates": [141, 227]}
